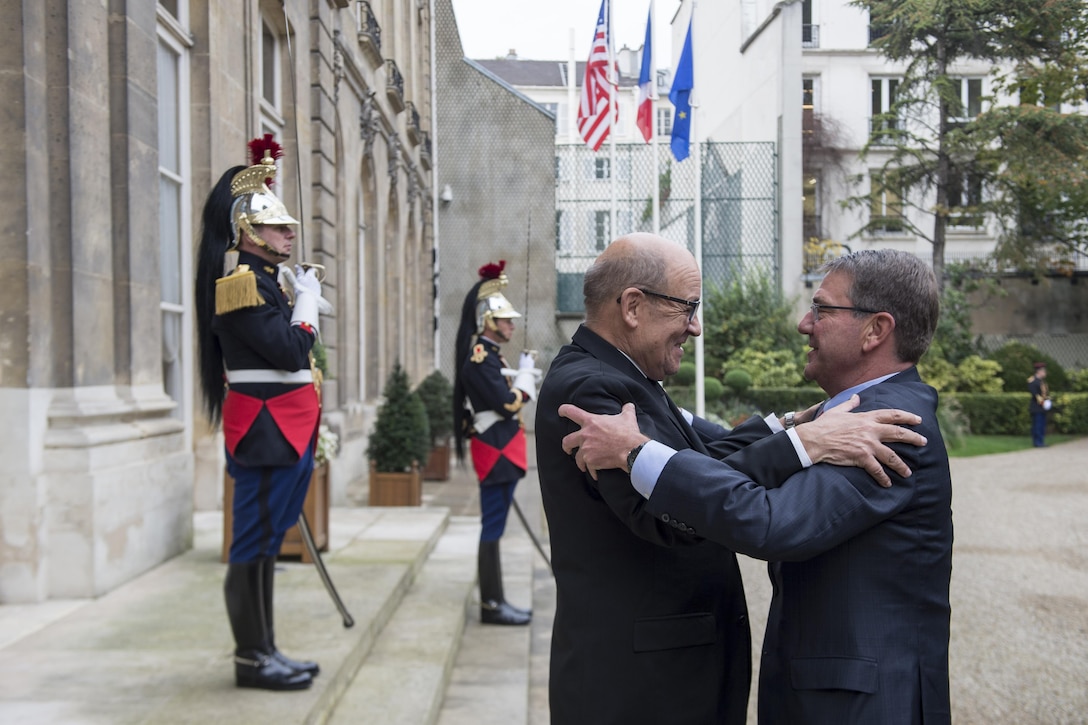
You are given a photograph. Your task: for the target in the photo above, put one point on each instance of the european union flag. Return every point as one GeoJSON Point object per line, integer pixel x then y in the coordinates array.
{"type": "Point", "coordinates": [680, 95]}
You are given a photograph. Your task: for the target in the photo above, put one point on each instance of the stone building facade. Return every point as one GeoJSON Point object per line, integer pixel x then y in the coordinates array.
{"type": "Point", "coordinates": [119, 118]}
{"type": "Point", "coordinates": [496, 158]}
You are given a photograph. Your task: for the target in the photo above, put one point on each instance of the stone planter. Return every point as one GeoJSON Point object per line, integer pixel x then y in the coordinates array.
{"type": "Point", "coordinates": [396, 489]}
{"type": "Point", "coordinates": [316, 508]}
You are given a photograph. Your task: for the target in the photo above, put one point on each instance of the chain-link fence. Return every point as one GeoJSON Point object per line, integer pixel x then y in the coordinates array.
{"type": "Point", "coordinates": [739, 208]}
{"type": "Point", "coordinates": [1070, 350]}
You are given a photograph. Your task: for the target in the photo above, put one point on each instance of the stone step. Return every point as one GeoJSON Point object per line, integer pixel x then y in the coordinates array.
{"type": "Point", "coordinates": [159, 648]}
{"type": "Point", "coordinates": [404, 676]}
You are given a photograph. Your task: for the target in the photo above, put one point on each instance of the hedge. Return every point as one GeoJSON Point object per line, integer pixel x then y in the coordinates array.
{"type": "Point", "coordinates": [765, 400]}
{"type": "Point", "coordinates": [985, 413]}
{"type": "Point", "coordinates": [1007, 413]}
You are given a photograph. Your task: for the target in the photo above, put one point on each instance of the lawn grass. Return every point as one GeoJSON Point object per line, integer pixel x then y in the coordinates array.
{"type": "Point", "coordinates": [978, 445]}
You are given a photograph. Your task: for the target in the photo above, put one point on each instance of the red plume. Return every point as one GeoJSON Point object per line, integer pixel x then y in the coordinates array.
{"type": "Point", "coordinates": [492, 270]}
{"type": "Point", "coordinates": [257, 148]}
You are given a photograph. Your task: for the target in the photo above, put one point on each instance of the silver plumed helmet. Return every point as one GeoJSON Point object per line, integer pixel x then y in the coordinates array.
{"type": "Point", "coordinates": [254, 202]}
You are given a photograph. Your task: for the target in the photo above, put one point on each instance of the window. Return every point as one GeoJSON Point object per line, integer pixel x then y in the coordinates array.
{"type": "Point", "coordinates": [269, 66]}
{"type": "Point", "coordinates": [885, 204]}
{"type": "Point", "coordinates": [808, 105]}
{"type": "Point", "coordinates": [558, 169]}
{"type": "Point", "coordinates": [964, 198]}
{"type": "Point", "coordinates": [602, 168]}
{"type": "Point", "coordinates": [664, 121]}
{"type": "Point", "coordinates": [878, 28]}
{"type": "Point", "coordinates": [270, 62]}
{"type": "Point", "coordinates": [602, 228]}
{"type": "Point", "coordinates": [882, 105]}
{"type": "Point", "coordinates": [968, 102]}
{"type": "Point", "coordinates": [810, 34]}
{"type": "Point", "coordinates": [563, 233]}
{"type": "Point", "coordinates": [175, 302]}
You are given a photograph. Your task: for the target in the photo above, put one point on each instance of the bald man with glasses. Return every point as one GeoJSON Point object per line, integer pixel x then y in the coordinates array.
{"type": "Point", "coordinates": [651, 622]}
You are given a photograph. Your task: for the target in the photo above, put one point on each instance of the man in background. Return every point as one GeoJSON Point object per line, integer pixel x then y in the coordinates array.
{"type": "Point", "coordinates": [1039, 405]}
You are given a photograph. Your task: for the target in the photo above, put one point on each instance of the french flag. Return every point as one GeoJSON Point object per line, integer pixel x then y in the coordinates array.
{"type": "Point", "coordinates": [644, 119]}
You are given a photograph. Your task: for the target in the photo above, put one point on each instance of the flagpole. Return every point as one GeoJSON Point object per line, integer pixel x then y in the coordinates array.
{"type": "Point", "coordinates": [613, 78]}
{"type": "Point", "coordinates": [653, 130]}
{"type": "Point", "coordinates": [700, 361]}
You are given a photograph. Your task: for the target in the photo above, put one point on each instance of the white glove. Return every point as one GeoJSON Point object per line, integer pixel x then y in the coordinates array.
{"type": "Point", "coordinates": [305, 311]}
{"type": "Point", "coordinates": [1046, 405]}
{"type": "Point", "coordinates": [527, 375]}
{"type": "Point", "coordinates": [305, 281]}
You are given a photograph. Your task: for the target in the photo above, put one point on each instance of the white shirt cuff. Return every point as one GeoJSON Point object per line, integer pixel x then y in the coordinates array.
{"type": "Point", "coordinates": [649, 464]}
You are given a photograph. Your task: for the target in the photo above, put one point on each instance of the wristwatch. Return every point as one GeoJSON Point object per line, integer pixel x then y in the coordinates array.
{"type": "Point", "coordinates": [788, 419]}
{"type": "Point", "coordinates": [633, 455]}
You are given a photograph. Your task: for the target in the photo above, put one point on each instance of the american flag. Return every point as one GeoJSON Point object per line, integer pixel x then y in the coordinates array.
{"type": "Point", "coordinates": [593, 122]}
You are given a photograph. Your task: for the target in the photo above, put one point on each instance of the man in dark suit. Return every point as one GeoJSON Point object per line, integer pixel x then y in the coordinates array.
{"type": "Point", "coordinates": [859, 621]}
{"type": "Point", "coordinates": [1039, 404]}
{"type": "Point", "coordinates": [650, 622]}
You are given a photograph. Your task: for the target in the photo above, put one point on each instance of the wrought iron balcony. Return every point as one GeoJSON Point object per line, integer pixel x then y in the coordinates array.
{"type": "Point", "coordinates": [394, 85]}
{"type": "Point", "coordinates": [370, 33]}
{"type": "Point", "coordinates": [885, 130]}
{"type": "Point", "coordinates": [413, 123]}
{"type": "Point", "coordinates": [425, 150]}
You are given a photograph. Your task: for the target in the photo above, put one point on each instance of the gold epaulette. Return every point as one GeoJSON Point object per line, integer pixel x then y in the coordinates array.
{"type": "Point", "coordinates": [237, 291]}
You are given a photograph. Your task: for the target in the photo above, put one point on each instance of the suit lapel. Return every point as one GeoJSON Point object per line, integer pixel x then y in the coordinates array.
{"type": "Point", "coordinates": [596, 346]}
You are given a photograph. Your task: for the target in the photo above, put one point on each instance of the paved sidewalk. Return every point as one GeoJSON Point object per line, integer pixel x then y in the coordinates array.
{"type": "Point", "coordinates": [1019, 645]}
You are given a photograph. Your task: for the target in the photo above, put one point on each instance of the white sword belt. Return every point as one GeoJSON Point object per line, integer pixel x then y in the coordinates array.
{"type": "Point", "coordinates": [270, 376]}
{"type": "Point", "coordinates": [484, 420]}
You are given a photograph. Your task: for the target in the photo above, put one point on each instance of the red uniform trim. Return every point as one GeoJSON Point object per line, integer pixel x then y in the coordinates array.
{"type": "Point", "coordinates": [484, 456]}
{"type": "Point", "coordinates": [296, 413]}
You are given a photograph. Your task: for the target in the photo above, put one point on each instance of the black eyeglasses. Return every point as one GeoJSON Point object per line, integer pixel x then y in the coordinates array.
{"type": "Point", "coordinates": [692, 305]}
{"type": "Point", "coordinates": [816, 307]}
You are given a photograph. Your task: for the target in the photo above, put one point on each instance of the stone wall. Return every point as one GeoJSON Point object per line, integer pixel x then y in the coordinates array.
{"type": "Point", "coordinates": [496, 152]}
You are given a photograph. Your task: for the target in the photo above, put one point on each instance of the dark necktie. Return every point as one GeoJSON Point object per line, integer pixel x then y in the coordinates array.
{"type": "Point", "coordinates": [681, 422]}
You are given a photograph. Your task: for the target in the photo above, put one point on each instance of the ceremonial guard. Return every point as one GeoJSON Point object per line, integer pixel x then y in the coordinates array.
{"type": "Point", "coordinates": [258, 379]}
{"type": "Point", "coordinates": [1039, 405]}
{"type": "Point", "coordinates": [487, 400]}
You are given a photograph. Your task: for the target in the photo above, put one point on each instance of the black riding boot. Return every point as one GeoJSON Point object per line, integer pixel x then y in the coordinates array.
{"type": "Point", "coordinates": [254, 665]}
{"type": "Point", "coordinates": [493, 606]}
{"type": "Point", "coordinates": [267, 585]}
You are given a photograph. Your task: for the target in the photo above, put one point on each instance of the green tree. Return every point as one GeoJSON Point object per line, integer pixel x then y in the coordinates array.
{"type": "Point", "coordinates": [1040, 191]}
{"type": "Point", "coordinates": [401, 435]}
{"type": "Point", "coordinates": [749, 313]}
{"type": "Point", "coordinates": [937, 162]}
{"type": "Point", "coordinates": [436, 393]}
{"type": "Point", "coordinates": [1017, 359]}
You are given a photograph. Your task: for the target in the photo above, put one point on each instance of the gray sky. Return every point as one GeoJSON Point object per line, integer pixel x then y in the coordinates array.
{"type": "Point", "coordinates": [541, 30]}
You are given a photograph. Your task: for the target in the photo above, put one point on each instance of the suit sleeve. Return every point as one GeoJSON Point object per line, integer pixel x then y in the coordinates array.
{"type": "Point", "coordinates": [751, 448]}
{"type": "Point", "coordinates": [607, 395]}
{"type": "Point", "coordinates": [813, 511]}
{"type": "Point", "coordinates": [721, 442]}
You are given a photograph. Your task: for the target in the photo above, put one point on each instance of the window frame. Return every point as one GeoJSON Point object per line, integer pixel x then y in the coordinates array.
{"type": "Point", "coordinates": [886, 205]}
{"type": "Point", "coordinates": [173, 37]}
